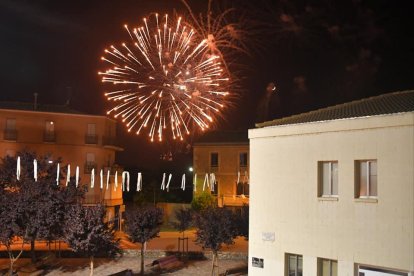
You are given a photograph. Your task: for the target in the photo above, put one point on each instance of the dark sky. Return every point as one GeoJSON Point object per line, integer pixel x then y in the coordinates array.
{"type": "Point", "coordinates": [318, 53]}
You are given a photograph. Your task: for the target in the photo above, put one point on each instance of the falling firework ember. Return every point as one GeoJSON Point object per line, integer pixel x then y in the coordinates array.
{"type": "Point", "coordinates": [168, 81]}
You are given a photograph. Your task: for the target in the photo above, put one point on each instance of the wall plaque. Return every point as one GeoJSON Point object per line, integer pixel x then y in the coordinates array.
{"type": "Point", "coordinates": [268, 236]}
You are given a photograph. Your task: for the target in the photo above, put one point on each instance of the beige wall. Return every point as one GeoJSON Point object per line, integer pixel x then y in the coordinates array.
{"type": "Point", "coordinates": [70, 132]}
{"type": "Point", "coordinates": [284, 201]}
{"type": "Point", "coordinates": [225, 173]}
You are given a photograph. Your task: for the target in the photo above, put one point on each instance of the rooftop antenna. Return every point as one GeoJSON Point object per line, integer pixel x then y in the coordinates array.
{"type": "Point", "coordinates": [35, 100]}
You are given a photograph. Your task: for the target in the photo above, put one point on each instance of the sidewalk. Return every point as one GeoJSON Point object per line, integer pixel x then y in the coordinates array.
{"type": "Point", "coordinates": [167, 241]}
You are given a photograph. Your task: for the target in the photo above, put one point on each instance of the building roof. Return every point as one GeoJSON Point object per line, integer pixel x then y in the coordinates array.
{"type": "Point", "coordinates": [223, 137]}
{"type": "Point", "coordinates": [390, 103]}
{"type": "Point", "coordinates": [40, 107]}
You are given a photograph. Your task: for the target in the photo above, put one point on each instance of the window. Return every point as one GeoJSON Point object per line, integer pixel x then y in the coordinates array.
{"type": "Point", "coordinates": [294, 265]}
{"type": "Point", "coordinates": [91, 137]}
{"type": "Point", "coordinates": [366, 178]}
{"type": "Point", "coordinates": [328, 178]}
{"type": "Point", "coordinates": [215, 191]}
{"type": "Point", "coordinates": [90, 162]}
{"type": "Point", "coordinates": [327, 267]}
{"type": "Point", "coordinates": [214, 162]}
{"type": "Point", "coordinates": [243, 159]}
{"type": "Point", "coordinates": [49, 135]}
{"type": "Point", "coordinates": [367, 270]}
{"type": "Point", "coordinates": [10, 132]}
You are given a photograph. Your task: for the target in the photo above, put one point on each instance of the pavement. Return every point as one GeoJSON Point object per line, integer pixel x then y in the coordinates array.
{"type": "Point", "coordinates": [167, 241]}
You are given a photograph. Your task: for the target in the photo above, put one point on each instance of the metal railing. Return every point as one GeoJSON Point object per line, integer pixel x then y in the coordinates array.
{"type": "Point", "coordinates": [49, 137]}
{"type": "Point", "coordinates": [10, 134]}
{"type": "Point", "coordinates": [89, 166]}
{"type": "Point", "coordinates": [91, 139]}
{"type": "Point", "coordinates": [110, 141]}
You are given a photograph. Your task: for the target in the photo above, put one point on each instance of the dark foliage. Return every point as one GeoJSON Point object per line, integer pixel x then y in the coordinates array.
{"type": "Point", "coordinates": [184, 219]}
{"type": "Point", "coordinates": [86, 232]}
{"type": "Point", "coordinates": [38, 206]}
{"type": "Point", "coordinates": [243, 222]}
{"type": "Point", "coordinates": [8, 226]}
{"type": "Point", "coordinates": [216, 226]}
{"type": "Point", "coordinates": [142, 225]}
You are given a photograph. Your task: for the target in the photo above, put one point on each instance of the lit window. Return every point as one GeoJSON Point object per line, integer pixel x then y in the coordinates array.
{"type": "Point", "coordinates": [49, 135]}
{"type": "Point", "coordinates": [294, 265]}
{"type": "Point", "coordinates": [327, 267]}
{"type": "Point", "coordinates": [328, 178]}
{"type": "Point", "coordinates": [243, 159]}
{"type": "Point", "coordinates": [366, 178]}
{"type": "Point", "coordinates": [214, 162]}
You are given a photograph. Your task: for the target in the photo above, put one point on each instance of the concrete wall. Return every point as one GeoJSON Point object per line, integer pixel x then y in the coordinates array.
{"type": "Point", "coordinates": [284, 199]}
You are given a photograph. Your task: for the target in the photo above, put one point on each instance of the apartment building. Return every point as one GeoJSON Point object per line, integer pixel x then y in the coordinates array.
{"type": "Point", "coordinates": [86, 141]}
{"type": "Point", "coordinates": [333, 191]}
{"type": "Point", "coordinates": [221, 166]}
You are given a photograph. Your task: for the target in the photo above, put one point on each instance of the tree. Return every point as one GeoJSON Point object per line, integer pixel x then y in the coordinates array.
{"type": "Point", "coordinates": [203, 201]}
{"type": "Point", "coordinates": [243, 222]}
{"type": "Point", "coordinates": [184, 219]}
{"type": "Point", "coordinates": [87, 233]}
{"type": "Point", "coordinates": [216, 226]}
{"type": "Point", "coordinates": [40, 204]}
{"type": "Point", "coordinates": [142, 225]}
{"type": "Point", "coordinates": [8, 226]}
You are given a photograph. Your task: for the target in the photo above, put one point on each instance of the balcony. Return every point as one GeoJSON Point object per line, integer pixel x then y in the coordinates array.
{"type": "Point", "coordinates": [111, 142]}
{"type": "Point", "coordinates": [91, 139]}
{"type": "Point", "coordinates": [10, 134]}
{"type": "Point", "coordinates": [49, 137]}
{"type": "Point", "coordinates": [89, 166]}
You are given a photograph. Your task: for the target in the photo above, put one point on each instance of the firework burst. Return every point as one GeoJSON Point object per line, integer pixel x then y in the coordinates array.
{"type": "Point", "coordinates": [169, 83]}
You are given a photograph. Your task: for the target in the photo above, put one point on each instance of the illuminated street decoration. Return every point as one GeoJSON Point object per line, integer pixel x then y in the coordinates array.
{"type": "Point", "coordinates": [125, 175]}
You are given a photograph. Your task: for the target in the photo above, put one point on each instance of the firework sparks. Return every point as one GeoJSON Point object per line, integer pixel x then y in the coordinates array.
{"type": "Point", "coordinates": [169, 81]}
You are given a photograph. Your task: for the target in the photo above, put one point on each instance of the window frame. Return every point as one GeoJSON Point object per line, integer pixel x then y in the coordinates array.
{"type": "Point", "coordinates": [320, 265]}
{"type": "Point", "coordinates": [357, 167]}
{"type": "Point", "coordinates": [246, 159]}
{"type": "Point", "coordinates": [211, 159]}
{"type": "Point", "coordinates": [331, 181]}
{"type": "Point", "coordinates": [287, 263]}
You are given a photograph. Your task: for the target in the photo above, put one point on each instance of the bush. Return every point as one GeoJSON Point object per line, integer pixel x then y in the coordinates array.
{"type": "Point", "coordinates": [203, 201]}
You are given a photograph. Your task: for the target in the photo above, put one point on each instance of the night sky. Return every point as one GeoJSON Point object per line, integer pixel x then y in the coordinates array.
{"type": "Point", "coordinates": [318, 53]}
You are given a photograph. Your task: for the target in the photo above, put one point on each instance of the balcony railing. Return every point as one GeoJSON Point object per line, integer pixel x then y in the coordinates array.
{"type": "Point", "coordinates": [110, 141]}
{"type": "Point", "coordinates": [91, 139]}
{"type": "Point", "coordinates": [10, 134]}
{"type": "Point", "coordinates": [89, 166]}
{"type": "Point", "coordinates": [49, 137]}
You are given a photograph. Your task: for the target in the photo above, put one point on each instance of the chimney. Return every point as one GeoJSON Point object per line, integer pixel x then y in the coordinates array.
{"type": "Point", "coordinates": [35, 100]}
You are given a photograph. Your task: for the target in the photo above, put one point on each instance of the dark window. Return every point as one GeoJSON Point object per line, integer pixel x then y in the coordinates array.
{"type": "Point", "coordinates": [214, 159]}
{"type": "Point", "coordinates": [243, 159]}
{"type": "Point", "coordinates": [215, 185]}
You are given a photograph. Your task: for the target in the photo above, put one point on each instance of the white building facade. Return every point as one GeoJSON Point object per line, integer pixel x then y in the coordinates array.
{"type": "Point", "coordinates": [334, 194]}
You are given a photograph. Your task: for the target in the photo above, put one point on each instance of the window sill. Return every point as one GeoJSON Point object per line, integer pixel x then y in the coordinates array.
{"type": "Point", "coordinates": [328, 198]}
{"type": "Point", "coordinates": [366, 200]}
